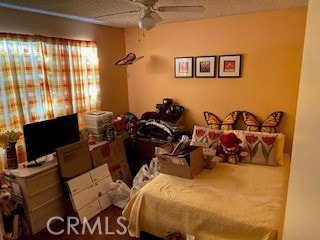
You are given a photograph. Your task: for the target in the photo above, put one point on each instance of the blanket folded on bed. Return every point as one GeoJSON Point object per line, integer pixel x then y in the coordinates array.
{"type": "Point", "coordinates": [243, 201]}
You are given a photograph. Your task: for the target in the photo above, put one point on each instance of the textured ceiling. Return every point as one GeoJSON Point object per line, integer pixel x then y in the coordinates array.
{"type": "Point", "coordinates": [90, 10]}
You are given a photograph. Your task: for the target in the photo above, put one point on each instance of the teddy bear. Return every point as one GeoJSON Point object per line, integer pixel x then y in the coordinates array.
{"type": "Point", "coordinates": [168, 111]}
{"type": "Point", "coordinates": [165, 107]}
{"type": "Point", "coordinates": [230, 149]}
{"type": "Point", "coordinates": [10, 210]}
{"type": "Point", "coordinates": [6, 205]}
{"type": "Point", "coordinates": [165, 111]}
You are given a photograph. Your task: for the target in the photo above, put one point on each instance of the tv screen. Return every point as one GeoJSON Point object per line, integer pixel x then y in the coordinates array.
{"type": "Point", "coordinates": [42, 138]}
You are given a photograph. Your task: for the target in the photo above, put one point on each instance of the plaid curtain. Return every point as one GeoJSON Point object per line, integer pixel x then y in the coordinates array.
{"type": "Point", "coordinates": [44, 77]}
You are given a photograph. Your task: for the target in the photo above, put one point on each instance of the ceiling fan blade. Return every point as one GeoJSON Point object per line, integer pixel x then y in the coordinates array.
{"type": "Point", "coordinates": [118, 13]}
{"type": "Point", "coordinates": [156, 16]}
{"type": "Point", "coordinates": [180, 9]}
{"type": "Point", "coordinates": [135, 3]}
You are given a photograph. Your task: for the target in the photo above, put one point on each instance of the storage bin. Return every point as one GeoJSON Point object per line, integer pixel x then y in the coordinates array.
{"type": "Point", "coordinates": [96, 130]}
{"type": "Point", "coordinates": [97, 118]}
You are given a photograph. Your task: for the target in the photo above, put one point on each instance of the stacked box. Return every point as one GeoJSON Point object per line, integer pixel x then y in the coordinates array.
{"type": "Point", "coordinates": [96, 130]}
{"type": "Point", "coordinates": [114, 154]}
{"type": "Point", "coordinates": [97, 118]}
{"type": "Point", "coordinates": [95, 122]}
{"type": "Point", "coordinates": [89, 192]}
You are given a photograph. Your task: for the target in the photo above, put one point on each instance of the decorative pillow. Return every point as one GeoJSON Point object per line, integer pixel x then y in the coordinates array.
{"type": "Point", "coordinates": [205, 137]}
{"type": "Point", "coordinates": [264, 148]}
{"type": "Point", "coordinates": [227, 124]}
{"type": "Point", "coordinates": [238, 133]}
{"type": "Point", "coordinates": [269, 125]}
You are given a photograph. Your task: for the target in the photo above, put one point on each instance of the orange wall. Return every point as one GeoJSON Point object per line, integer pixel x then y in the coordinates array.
{"type": "Point", "coordinates": [110, 41]}
{"type": "Point", "coordinates": [271, 44]}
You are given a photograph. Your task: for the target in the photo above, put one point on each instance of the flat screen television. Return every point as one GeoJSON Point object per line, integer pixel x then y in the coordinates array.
{"type": "Point", "coordinates": [42, 138]}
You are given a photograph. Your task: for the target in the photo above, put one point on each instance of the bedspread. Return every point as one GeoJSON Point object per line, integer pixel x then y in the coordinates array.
{"type": "Point", "coordinates": [243, 201]}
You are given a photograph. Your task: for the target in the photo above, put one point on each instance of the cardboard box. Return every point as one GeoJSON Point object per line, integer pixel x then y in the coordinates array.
{"type": "Point", "coordinates": [102, 186]}
{"type": "Point", "coordinates": [79, 183]}
{"type": "Point", "coordinates": [121, 171]}
{"type": "Point", "coordinates": [100, 154]}
{"type": "Point", "coordinates": [74, 159]}
{"type": "Point", "coordinates": [83, 190]}
{"type": "Point", "coordinates": [104, 201]}
{"type": "Point", "coordinates": [108, 152]}
{"type": "Point", "coordinates": [89, 211]}
{"type": "Point", "coordinates": [118, 152]}
{"type": "Point", "coordinates": [99, 173]}
{"type": "Point", "coordinates": [186, 165]}
{"type": "Point", "coordinates": [84, 197]}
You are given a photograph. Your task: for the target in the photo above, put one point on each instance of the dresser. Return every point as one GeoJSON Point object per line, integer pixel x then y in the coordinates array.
{"type": "Point", "coordinates": [41, 188]}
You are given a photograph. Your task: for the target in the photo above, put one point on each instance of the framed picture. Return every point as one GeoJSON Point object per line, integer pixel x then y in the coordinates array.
{"type": "Point", "coordinates": [205, 66]}
{"type": "Point", "coordinates": [183, 67]}
{"type": "Point", "coordinates": [230, 66]}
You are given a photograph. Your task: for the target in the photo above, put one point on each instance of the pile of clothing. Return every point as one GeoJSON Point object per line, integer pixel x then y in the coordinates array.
{"type": "Point", "coordinates": [163, 123]}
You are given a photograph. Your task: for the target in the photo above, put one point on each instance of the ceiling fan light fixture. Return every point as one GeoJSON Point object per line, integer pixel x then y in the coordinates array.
{"type": "Point", "coordinates": [147, 22]}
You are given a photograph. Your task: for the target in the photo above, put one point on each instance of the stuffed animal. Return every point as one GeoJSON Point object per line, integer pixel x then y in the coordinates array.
{"type": "Point", "coordinates": [168, 111]}
{"type": "Point", "coordinates": [165, 107]}
{"type": "Point", "coordinates": [91, 139]}
{"type": "Point", "coordinates": [6, 205]}
{"type": "Point", "coordinates": [230, 149]}
{"type": "Point", "coordinates": [10, 211]}
{"type": "Point", "coordinates": [165, 111]}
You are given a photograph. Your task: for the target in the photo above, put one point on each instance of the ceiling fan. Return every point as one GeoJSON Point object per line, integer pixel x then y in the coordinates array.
{"type": "Point", "coordinates": [149, 13]}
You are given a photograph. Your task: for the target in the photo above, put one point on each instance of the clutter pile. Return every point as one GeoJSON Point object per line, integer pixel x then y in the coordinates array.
{"type": "Point", "coordinates": [163, 123]}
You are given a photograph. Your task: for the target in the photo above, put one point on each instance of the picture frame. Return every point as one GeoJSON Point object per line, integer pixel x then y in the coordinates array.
{"type": "Point", "coordinates": [205, 66]}
{"type": "Point", "coordinates": [183, 67]}
{"type": "Point", "coordinates": [230, 66]}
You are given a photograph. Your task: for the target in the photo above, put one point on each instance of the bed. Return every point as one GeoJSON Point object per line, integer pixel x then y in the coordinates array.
{"type": "Point", "coordinates": [243, 201]}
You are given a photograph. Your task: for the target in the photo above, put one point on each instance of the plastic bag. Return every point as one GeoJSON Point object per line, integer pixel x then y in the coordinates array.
{"type": "Point", "coordinates": [119, 193]}
{"type": "Point", "coordinates": [154, 168]}
{"type": "Point", "coordinates": [142, 177]}
{"type": "Point", "coordinates": [145, 175]}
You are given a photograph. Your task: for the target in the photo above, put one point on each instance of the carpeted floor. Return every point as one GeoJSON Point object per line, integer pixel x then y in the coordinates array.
{"type": "Point", "coordinates": [109, 229]}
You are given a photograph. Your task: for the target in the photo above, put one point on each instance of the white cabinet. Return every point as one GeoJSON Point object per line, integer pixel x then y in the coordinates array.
{"type": "Point", "coordinates": [42, 191]}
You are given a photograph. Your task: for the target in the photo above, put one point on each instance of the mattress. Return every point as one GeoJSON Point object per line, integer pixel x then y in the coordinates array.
{"type": "Point", "coordinates": [243, 201]}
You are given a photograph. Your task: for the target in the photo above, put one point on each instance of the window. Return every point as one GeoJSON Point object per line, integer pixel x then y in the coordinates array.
{"type": "Point", "coordinates": [44, 77]}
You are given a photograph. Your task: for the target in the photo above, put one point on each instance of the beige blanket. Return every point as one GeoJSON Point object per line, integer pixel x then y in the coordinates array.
{"type": "Point", "coordinates": [243, 201]}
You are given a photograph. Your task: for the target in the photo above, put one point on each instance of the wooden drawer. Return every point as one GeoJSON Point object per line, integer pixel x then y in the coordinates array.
{"type": "Point", "coordinates": [145, 150]}
{"type": "Point", "coordinates": [40, 215]}
{"type": "Point", "coordinates": [145, 147]}
{"type": "Point", "coordinates": [44, 195]}
{"type": "Point", "coordinates": [43, 180]}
